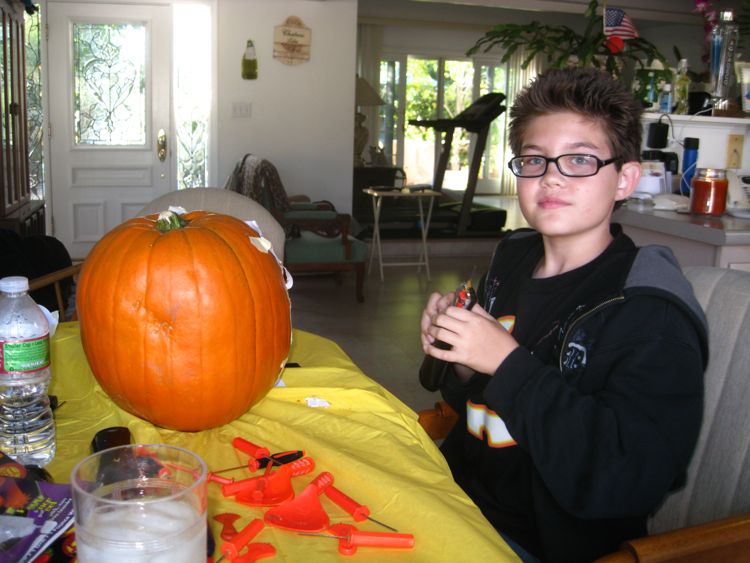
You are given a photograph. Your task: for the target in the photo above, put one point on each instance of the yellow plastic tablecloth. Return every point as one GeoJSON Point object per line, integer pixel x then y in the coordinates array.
{"type": "Point", "coordinates": [364, 436]}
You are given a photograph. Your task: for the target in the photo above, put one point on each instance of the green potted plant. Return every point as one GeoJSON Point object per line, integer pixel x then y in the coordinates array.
{"type": "Point", "coordinates": [563, 46]}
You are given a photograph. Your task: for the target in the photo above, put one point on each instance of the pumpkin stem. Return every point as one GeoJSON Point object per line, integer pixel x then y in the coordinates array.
{"type": "Point", "coordinates": [169, 221]}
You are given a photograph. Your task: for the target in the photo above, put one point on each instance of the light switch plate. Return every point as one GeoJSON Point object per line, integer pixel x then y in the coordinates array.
{"type": "Point", "coordinates": [241, 109]}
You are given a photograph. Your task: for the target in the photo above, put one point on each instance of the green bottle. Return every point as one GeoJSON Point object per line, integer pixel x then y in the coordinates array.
{"type": "Point", "coordinates": [249, 62]}
{"type": "Point", "coordinates": [682, 88]}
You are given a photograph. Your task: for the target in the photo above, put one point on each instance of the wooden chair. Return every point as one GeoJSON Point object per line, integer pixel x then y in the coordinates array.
{"type": "Point", "coordinates": [318, 239]}
{"type": "Point", "coordinates": [708, 520]}
{"type": "Point", "coordinates": [54, 279]}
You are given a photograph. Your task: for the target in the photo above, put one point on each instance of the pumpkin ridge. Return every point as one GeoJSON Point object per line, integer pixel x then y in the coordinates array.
{"type": "Point", "coordinates": [260, 282]}
{"type": "Point", "coordinates": [240, 324]}
{"type": "Point", "coordinates": [227, 231]}
{"type": "Point", "coordinates": [123, 283]}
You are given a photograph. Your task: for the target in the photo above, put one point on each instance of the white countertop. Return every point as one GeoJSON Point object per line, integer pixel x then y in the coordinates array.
{"type": "Point", "coordinates": [720, 231]}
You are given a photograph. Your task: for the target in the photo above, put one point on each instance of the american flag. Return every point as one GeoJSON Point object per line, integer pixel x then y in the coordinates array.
{"type": "Point", "coordinates": [618, 24]}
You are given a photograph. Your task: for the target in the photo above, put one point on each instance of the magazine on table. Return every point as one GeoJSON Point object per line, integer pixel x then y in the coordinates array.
{"type": "Point", "coordinates": [33, 513]}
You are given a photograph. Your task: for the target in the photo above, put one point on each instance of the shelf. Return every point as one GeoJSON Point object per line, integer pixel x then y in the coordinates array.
{"type": "Point", "coordinates": [697, 119]}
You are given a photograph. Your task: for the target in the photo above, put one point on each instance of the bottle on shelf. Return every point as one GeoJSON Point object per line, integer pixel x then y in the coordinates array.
{"type": "Point", "coordinates": [27, 428]}
{"type": "Point", "coordinates": [249, 62]}
{"type": "Point", "coordinates": [665, 99]}
{"type": "Point", "coordinates": [682, 88]}
{"type": "Point", "coordinates": [724, 38]}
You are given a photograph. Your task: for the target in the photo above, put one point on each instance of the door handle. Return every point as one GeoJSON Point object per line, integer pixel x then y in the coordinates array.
{"type": "Point", "coordinates": [161, 144]}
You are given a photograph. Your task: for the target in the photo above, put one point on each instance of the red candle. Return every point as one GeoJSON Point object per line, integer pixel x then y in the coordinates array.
{"type": "Point", "coordinates": [708, 194]}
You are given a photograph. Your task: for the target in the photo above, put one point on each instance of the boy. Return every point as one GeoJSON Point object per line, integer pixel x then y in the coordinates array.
{"type": "Point", "coordinates": [578, 377]}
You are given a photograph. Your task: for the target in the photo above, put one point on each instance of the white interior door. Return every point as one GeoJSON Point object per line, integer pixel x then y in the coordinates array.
{"type": "Point", "coordinates": [109, 100]}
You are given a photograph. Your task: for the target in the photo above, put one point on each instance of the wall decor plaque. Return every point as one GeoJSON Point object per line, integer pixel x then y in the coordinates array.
{"type": "Point", "coordinates": [291, 41]}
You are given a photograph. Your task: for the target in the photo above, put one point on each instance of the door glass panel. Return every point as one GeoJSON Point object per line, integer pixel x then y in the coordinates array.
{"type": "Point", "coordinates": [421, 104]}
{"type": "Point", "coordinates": [192, 92]}
{"type": "Point", "coordinates": [109, 84]}
{"type": "Point", "coordinates": [390, 91]}
{"type": "Point", "coordinates": [493, 79]}
{"type": "Point", "coordinates": [458, 79]}
{"type": "Point", "coordinates": [34, 105]}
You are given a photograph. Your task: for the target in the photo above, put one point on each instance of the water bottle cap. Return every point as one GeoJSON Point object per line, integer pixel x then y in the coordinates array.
{"type": "Point", "coordinates": [691, 143]}
{"type": "Point", "coordinates": [14, 284]}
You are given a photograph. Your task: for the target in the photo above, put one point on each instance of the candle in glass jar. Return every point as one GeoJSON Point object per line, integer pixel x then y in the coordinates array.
{"type": "Point", "coordinates": [708, 194]}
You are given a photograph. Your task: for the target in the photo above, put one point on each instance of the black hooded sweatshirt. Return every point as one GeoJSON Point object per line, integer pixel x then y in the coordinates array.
{"type": "Point", "coordinates": [584, 429]}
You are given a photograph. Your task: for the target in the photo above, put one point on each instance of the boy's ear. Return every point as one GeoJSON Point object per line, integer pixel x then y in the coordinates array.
{"type": "Point", "coordinates": [629, 176]}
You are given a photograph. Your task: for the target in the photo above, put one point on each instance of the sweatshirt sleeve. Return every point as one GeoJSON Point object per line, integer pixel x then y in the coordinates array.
{"type": "Point", "coordinates": [613, 439]}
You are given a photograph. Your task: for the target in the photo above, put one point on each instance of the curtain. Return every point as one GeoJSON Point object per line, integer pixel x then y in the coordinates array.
{"type": "Point", "coordinates": [369, 48]}
{"type": "Point", "coordinates": [518, 79]}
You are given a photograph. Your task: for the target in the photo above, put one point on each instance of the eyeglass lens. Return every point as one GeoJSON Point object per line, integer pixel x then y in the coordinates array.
{"type": "Point", "coordinates": [567, 164]}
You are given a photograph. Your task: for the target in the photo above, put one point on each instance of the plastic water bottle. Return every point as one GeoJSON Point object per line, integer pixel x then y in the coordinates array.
{"type": "Point", "coordinates": [27, 429]}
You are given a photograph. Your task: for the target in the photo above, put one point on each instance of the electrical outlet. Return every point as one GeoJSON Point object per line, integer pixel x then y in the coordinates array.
{"type": "Point", "coordinates": [734, 151]}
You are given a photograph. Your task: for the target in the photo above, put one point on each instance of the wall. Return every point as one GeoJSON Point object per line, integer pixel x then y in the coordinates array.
{"type": "Point", "coordinates": [713, 133]}
{"type": "Point", "coordinates": [301, 116]}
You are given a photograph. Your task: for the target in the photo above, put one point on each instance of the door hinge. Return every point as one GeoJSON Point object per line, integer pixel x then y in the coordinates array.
{"type": "Point", "coordinates": [46, 32]}
{"type": "Point", "coordinates": [49, 131]}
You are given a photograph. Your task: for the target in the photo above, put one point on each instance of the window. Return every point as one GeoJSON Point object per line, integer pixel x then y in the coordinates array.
{"type": "Point", "coordinates": [192, 92]}
{"type": "Point", "coordinates": [418, 88]}
{"type": "Point", "coordinates": [34, 104]}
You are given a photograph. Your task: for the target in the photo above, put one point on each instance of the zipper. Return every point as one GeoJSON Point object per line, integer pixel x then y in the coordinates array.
{"type": "Point", "coordinates": [575, 323]}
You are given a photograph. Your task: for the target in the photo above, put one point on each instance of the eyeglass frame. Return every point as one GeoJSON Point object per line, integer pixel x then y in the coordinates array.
{"type": "Point", "coordinates": [599, 164]}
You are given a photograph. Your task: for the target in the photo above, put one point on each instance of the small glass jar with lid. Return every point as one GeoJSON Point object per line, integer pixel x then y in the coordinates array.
{"type": "Point", "coordinates": [708, 194]}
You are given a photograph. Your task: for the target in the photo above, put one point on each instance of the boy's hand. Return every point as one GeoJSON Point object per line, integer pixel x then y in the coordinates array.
{"type": "Point", "coordinates": [436, 304]}
{"type": "Point", "coordinates": [478, 341]}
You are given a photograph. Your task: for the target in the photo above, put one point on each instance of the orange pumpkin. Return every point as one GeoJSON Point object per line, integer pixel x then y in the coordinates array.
{"type": "Point", "coordinates": [185, 320]}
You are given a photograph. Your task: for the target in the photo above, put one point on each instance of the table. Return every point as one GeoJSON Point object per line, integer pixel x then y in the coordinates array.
{"type": "Point", "coordinates": [377, 196]}
{"type": "Point", "coordinates": [723, 242]}
{"type": "Point", "coordinates": [369, 440]}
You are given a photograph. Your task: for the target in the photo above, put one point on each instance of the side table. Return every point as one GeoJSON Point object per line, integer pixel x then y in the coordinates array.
{"type": "Point", "coordinates": [420, 194]}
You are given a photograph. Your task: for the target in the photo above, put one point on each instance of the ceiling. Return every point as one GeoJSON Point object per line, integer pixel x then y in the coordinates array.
{"type": "Point", "coordinates": [675, 11]}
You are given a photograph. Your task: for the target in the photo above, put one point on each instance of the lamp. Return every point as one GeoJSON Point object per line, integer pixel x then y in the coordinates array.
{"type": "Point", "coordinates": [365, 95]}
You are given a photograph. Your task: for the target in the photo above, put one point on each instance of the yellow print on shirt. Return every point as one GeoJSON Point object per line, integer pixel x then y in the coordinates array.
{"type": "Point", "coordinates": [481, 422]}
{"type": "Point", "coordinates": [507, 322]}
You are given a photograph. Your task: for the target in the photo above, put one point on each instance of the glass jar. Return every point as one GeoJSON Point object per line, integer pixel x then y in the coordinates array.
{"type": "Point", "coordinates": [708, 194]}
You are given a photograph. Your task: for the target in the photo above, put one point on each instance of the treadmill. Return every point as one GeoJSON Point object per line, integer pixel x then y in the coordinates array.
{"type": "Point", "coordinates": [477, 119]}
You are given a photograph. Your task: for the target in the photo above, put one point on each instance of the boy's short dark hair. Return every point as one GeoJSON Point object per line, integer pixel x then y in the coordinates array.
{"type": "Point", "coordinates": [589, 92]}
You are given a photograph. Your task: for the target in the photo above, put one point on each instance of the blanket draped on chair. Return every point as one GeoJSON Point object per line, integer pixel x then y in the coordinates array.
{"type": "Point", "coordinates": [258, 179]}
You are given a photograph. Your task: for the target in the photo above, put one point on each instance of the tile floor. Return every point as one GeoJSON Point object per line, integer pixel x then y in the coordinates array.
{"type": "Point", "coordinates": [381, 335]}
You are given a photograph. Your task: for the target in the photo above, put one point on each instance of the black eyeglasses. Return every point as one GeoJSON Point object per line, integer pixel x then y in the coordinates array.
{"type": "Point", "coordinates": [574, 165]}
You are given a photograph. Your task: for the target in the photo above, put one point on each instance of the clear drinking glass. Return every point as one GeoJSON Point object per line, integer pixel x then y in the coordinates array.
{"type": "Point", "coordinates": [140, 503]}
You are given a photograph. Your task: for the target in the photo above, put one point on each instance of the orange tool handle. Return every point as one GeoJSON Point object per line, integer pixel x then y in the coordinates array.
{"type": "Point", "coordinates": [358, 511]}
{"type": "Point", "coordinates": [213, 477]}
{"type": "Point", "coordinates": [380, 539]}
{"type": "Point", "coordinates": [322, 481]}
{"type": "Point", "coordinates": [249, 448]}
{"type": "Point", "coordinates": [302, 466]}
{"type": "Point", "coordinates": [231, 549]}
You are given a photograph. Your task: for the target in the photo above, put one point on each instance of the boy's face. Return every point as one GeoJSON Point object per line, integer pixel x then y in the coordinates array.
{"type": "Point", "coordinates": [563, 206]}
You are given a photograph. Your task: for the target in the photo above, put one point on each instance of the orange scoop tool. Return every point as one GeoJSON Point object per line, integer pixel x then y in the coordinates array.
{"type": "Point", "coordinates": [304, 513]}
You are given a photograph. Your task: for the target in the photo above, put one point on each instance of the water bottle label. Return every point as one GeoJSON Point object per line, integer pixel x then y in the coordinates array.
{"type": "Point", "coordinates": [24, 355]}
